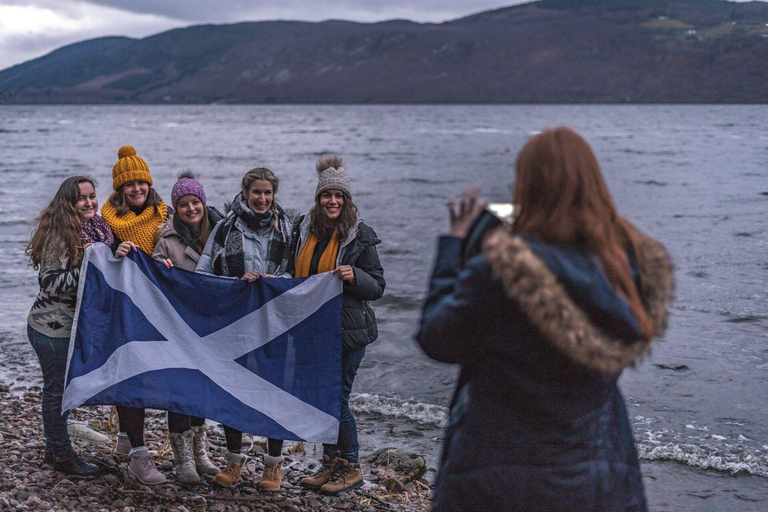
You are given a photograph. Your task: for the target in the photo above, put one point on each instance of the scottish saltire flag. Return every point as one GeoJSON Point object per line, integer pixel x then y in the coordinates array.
{"type": "Point", "coordinates": [262, 357]}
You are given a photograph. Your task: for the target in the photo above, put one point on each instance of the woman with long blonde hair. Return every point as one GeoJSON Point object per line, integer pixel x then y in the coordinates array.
{"type": "Point", "coordinates": [542, 323]}
{"type": "Point", "coordinates": [251, 242]}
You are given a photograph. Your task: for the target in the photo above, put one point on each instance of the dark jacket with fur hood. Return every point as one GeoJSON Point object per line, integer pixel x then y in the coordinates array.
{"type": "Point", "coordinates": [358, 251]}
{"type": "Point", "coordinates": [538, 422]}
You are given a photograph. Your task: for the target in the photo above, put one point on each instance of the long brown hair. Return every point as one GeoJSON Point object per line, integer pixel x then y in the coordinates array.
{"type": "Point", "coordinates": [564, 200]}
{"type": "Point", "coordinates": [347, 220]}
{"type": "Point", "coordinates": [120, 202]}
{"type": "Point", "coordinates": [56, 231]}
{"type": "Point", "coordinates": [264, 174]}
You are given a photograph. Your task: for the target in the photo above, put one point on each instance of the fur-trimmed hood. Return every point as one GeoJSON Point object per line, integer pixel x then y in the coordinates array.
{"type": "Point", "coordinates": [568, 298]}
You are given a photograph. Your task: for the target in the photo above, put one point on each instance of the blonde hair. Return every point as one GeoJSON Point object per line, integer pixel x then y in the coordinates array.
{"type": "Point", "coordinates": [264, 174]}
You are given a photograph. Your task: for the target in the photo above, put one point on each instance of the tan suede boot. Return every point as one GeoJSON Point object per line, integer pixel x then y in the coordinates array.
{"type": "Point", "coordinates": [183, 458]}
{"type": "Point", "coordinates": [203, 464]}
{"type": "Point", "coordinates": [235, 463]}
{"type": "Point", "coordinates": [346, 477]}
{"type": "Point", "coordinates": [321, 476]}
{"type": "Point", "coordinates": [272, 476]}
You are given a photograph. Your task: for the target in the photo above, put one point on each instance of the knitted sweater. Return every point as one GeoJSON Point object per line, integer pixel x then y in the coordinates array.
{"type": "Point", "coordinates": [54, 308]}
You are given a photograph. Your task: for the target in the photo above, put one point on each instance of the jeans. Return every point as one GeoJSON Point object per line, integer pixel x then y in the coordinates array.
{"type": "Point", "coordinates": [52, 354]}
{"type": "Point", "coordinates": [347, 446]}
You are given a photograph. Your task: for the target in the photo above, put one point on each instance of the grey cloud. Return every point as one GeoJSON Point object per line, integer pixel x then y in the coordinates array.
{"type": "Point", "coordinates": [34, 43]}
{"type": "Point", "coordinates": [68, 8]}
{"type": "Point", "coordinates": [201, 11]}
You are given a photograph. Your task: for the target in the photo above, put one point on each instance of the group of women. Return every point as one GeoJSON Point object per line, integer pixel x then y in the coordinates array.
{"type": "Point", "coordinates": [255, 239]}
{"type": "Point", "coordinates": [542, 321]}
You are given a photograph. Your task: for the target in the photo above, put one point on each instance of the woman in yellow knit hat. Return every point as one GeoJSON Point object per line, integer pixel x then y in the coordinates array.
{"type": "Point", "coordinates": [134, 212]}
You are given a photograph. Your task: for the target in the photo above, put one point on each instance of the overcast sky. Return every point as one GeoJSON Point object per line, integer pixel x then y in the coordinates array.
{"type": "Point", "coordinates": [31, 28]}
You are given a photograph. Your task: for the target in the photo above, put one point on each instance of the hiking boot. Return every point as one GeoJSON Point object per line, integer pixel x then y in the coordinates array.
{"type": "Point", "coordinates": [272, 476]}
{"type": "Point", "coordinates": [203, 464]}
{"type": "Point", "coordinates": [235, 463]}
{"type": "Point", "coordinates": [347, 476]}
{"type": "Point", "coordinates": [74, 465]}
{"type": "Point", "coordinates": [123, 446]}
{"type": "Point", "coordinates": [142, 469]}
{"type": "Point", "coordinates": [183, 458]}
{"type": "Point", "coordinates": [321, 476]}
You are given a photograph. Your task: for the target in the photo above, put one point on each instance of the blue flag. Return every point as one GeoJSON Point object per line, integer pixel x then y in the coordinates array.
{"type": "Point", "coordinates": [262, 357]}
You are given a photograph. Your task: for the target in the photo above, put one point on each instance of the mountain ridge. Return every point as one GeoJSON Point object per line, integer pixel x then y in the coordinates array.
{"type": "Point", "coordinates": [550, 51]}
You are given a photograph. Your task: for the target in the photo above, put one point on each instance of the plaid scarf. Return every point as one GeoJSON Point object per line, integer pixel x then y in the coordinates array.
{"type": "Point", "coordinates": [228, 253]}
{"type": "Point", "coordinates": [97, 230]}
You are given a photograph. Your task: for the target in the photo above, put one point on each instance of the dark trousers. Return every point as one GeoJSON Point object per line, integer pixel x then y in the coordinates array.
{"type": "Point", "coordinates": [52, 354]}
{"type": "Point", "coordinates": [346, 445]}
{"type": "Point", "coordinates": [131, 420]}
{"type": "Point", "coordinates": [234, 439]}
{"type": "Point", "coordinates": [180, 423]}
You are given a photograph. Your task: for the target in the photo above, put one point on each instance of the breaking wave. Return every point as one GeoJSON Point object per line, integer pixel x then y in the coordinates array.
{"type": "Point", "coordinates": [706, 458]}
{"type": "Point", "coordinates": [425, 414]}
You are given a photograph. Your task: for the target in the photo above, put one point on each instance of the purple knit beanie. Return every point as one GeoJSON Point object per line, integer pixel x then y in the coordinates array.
{"type": "Point", "coordinates": [187, 184]}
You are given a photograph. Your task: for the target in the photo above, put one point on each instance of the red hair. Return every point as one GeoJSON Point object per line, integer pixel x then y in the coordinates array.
{"type": "Point", "coordinates": [564, 200]}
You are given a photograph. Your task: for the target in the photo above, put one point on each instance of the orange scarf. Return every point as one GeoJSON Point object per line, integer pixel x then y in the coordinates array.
{"type": "Point", "coordinates": [327, 260]}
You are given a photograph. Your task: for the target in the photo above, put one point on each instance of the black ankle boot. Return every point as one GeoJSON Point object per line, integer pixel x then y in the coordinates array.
{"type": "Point", "coordinates": [48, 457]}
{"type": "Point", "coordinates": [73, 464]}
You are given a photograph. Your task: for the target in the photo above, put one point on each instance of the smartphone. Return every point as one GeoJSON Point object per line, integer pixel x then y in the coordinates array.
{"type": "Point", "coordinates": [494, 215]}
{"type": "Point", "coordinates": [504, 211]}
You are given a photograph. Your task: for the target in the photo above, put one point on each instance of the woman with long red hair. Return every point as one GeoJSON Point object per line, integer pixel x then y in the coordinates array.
{"type": "Point", "coordinates": [542, 324]}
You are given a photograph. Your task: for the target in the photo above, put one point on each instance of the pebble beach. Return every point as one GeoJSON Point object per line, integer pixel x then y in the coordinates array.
{"type": "Point", "coordinates": [394, 479]}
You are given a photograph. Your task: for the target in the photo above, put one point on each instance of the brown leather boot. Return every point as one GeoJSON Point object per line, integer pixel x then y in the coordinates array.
{"type": "Point", "coordinates": [272, 476]}
{"type": "Point", "coordinates": [347, 476]}
{"type": "Point", "coordinates": [235, 463]}
{"type": "Point", "coordinates": [321, 476]}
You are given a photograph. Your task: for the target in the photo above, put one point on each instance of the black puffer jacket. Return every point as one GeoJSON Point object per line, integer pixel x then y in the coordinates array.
{"type": "Point", "coordinates": [359, 252]}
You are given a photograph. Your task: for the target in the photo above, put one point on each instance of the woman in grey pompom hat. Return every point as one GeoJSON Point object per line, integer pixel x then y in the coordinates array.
{"type": "Point", "coordinates": [332, 175]}
{"type": "Point", "coordinates": [333, 237]}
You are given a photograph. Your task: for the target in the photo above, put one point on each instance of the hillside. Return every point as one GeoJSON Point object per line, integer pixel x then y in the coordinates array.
{"type": "Point", "coordinates": [550, 51]}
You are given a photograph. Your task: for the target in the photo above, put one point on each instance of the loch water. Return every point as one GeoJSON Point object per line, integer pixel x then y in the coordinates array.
{"type": "Point", "coordinates": [693, 177]}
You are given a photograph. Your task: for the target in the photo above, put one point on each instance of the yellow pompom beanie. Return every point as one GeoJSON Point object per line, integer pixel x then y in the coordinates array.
{"type": "Point", "coordinates": [129, 167]}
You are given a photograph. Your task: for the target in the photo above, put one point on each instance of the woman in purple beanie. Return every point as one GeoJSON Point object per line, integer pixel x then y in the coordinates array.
{"type": "Point", "coordinates": [180, 241]}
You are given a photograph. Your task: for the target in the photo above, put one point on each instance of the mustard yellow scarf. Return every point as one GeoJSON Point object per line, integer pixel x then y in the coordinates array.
{"type": "Point", "coordinates": [139, 229]}
{"type": "Point", "coordinates": [327, 260]}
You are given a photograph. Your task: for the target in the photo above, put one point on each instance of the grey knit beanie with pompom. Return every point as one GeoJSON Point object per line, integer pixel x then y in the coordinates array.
{"type": "Point", "coordinates": [332, 175]}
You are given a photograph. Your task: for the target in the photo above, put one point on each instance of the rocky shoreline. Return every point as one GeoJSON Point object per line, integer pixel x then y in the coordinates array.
{"type": "Point", "coordinates": [395, 480]}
